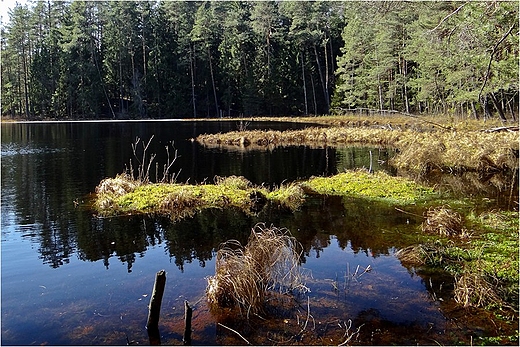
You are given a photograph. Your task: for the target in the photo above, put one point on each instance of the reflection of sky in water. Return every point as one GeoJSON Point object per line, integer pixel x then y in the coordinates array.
{"type": "Point", "coordinates": [11, 149]}
{"type": "Point", "coordinates": [41, 304]}
{"type": "Point", "coordinates": [388, 289]}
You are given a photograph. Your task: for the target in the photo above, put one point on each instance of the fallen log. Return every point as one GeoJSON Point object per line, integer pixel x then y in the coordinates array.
{"type": "Point", "coordinates": [500, 129]}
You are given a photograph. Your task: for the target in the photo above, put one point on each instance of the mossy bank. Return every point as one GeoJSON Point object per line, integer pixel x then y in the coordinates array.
{"type": "Point", "coordinates": [123, 195]}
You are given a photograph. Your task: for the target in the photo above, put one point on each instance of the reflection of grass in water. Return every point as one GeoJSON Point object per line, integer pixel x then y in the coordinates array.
{"type": "Point", "coordinates": [463, 150]}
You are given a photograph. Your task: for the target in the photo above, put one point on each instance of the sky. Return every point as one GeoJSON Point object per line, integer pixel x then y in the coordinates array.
{"type": "Point", "coordinates": [5, 5]}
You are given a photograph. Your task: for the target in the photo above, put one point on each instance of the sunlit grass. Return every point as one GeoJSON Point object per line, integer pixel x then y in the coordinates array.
{"type": "Point", "coordinates": [122, 195]}
{"type": "Point", "coordinates": [244, 275]}
{"type": "Point", "coordinates": [447, 150]}
{"type": "Point", "coordinates": [485, 264]}
{"type": "Point", "coordinates": [378, 186]}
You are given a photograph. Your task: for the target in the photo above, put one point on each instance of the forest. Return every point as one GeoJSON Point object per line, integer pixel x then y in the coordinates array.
{"type": "Point", "coordinates": [193, 59]}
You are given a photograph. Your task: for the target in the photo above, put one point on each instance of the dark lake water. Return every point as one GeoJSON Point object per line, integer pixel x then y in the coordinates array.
{"type": "Point", "coordinates": [70, 278]}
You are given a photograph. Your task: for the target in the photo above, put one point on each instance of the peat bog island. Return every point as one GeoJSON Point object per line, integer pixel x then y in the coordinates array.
{"type": "Point", "coordinates": [290, 173]}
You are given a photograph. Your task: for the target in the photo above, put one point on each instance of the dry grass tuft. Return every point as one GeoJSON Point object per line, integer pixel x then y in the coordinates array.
{"type": "Point", "coordinates": [110, 189]}
{"type": "Point", "coordinates": [411, 255]}
{"type": "Point", "coordinates": [444, 221]}
{"type": "Point", "coordinates": [118, 186]}
{"type": "Point", "coordinates": [472, 289]}
{"type": "Point", "coordinates": [238, 182]}
{"type": "Point", "coordinates": [245, 275]}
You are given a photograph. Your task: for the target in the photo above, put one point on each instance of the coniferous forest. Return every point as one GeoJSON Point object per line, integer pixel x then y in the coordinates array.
{"type": "Point", "coordinates": [186, 59]}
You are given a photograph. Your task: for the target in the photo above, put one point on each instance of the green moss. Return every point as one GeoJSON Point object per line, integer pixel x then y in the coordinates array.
{"type": "Point", "coordinates": [499, 244]}
{"type": "Point", "coordinates": [177, 200]}
{"type": "Point", "coordinates": [377, 186]}
{"type": "Point", "coordinates": [167, 198]}
{"type": "Point", "coordinates": [290, 196]}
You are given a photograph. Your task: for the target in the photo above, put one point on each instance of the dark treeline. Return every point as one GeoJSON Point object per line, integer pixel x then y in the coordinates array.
{"type": "Point", "coordinates": [157, 59]}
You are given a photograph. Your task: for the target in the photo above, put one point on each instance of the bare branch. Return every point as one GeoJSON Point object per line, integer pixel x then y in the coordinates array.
{"type": "Point", "coordinates": [448, 16]}
{"type": "Point", "coordinates": [491, 59]}
{"type": "Point", "coordinates": [236, 332]}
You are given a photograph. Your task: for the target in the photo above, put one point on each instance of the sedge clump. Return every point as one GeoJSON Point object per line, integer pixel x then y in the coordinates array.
{"type": "Point", "coordinates": [246, 275]}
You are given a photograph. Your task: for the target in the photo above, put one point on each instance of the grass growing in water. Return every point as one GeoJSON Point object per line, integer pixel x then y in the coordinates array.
{"type": "Point", "coordinates": [485, 265]}
{"type": "Point", "coordinates": [244, 276]}
{"type": "Point", "coordinates": [123, 195]}
{"type": "Point", "coordinates": [444, 221]}
{"type": "Point", "coordinates": [453, 150]}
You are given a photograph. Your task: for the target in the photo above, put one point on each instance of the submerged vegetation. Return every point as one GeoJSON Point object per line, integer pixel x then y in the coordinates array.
{"type": "Point", "coordinates": [484, 263]}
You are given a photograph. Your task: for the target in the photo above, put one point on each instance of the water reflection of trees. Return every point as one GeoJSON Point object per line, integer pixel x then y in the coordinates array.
{"type": "Point", "coordinates": [361, 225]}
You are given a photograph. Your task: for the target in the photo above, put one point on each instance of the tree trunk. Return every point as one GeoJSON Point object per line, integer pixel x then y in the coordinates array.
{"type": "Point", "coordinates": [314, 96]}
{"type": "Point", "coordinates": [143, 42]}
{"type": "Point", "coordinates": [121, 106]}
{"type": "Point", "coordinates": [304, 85]}
{"type": "Point", "coordinates": [497, 106]}
{"type": "Point", "coordinates": [192, 74]}
{"type": "Point", "coordinates": [474, 110]}
{"type": "Point", "coordinates": [380, 92]}
{"type": "Point", "coordinates": [25, 85]}
{"type": "Point", "coordinates": [325, 91]}
{"type": "Point", "coordinates": [213, 82]}
{"type": "Point", "coordinates": [405, 86]}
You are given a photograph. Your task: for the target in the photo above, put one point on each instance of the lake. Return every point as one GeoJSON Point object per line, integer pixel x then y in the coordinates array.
{"type": "Point", "coordinates": [71, 278]}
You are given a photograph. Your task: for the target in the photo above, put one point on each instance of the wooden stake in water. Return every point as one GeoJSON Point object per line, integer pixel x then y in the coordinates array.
{"type": "Point", "coordinates": [187, 324]}
{"type": "Point", "coordinates": [154, 309]}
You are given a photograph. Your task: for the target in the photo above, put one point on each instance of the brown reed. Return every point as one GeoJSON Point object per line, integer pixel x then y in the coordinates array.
{"type": "Point", "coordinates": [444, 221]}
{"type": "Point", "coordinates": [245, 275]}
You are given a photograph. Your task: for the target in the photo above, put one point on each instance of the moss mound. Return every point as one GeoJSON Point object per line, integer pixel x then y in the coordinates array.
{"type": "Point", "coordinates": [377, 186]}
{"type": "Point", "coordinates": [123, 195]}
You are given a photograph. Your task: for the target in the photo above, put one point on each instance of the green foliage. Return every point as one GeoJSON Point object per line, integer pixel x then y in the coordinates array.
{"type": "Point", "coordinates": [209, 58]}
{"type": "Point", "coordinates": [433, 57]}
{"type": "Point", "coordinates": [165, 59]}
